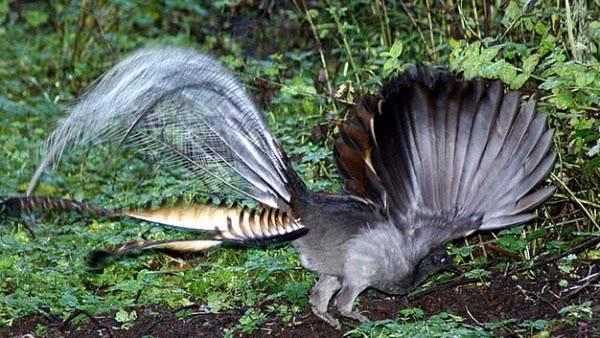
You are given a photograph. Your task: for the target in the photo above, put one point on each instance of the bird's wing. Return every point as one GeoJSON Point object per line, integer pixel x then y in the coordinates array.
{"type": "Point", "coordinates": [188, 112]}
{"type": "Point", "coordinates": [449, 154]}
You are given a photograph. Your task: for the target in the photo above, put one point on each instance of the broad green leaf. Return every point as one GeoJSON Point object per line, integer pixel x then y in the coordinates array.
{"type": "Point", "coordinates": [390, 66]}
{"type": "Point", "coordinates": [563, 100]}
{"type": "Point", "coordinates": [519, 81]}
{"type": "Point", "coordinates": [35, 17]}
{"type": "Point", "coordinates": [396, 49]}
{"type": "Point", "coordinates": [585, 79]}
{"type": "Point", "coordinates": [530, 63]}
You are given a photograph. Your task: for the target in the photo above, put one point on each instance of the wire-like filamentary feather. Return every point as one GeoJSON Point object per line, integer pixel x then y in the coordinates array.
{"type": "Point", "coordinates": [187, 111]}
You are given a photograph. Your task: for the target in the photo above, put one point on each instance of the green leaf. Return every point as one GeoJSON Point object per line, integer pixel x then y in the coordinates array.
{"type": "Point", "coordinates": [530, 63]}
{"type": "Point", "coordinates": [519, 81]}
{"type": "Point", "coordinates": [477, 273]}
{"type": "Point", "coordinates": [539, 233]}
{"type": "Point", "coordinates": [585, 78]}
{"type": "Point", "coordinates": [216, 301]}
{"type": "Point", "coordinates": [506, 72]}
{"type": "Point", "coordinates": [541, 29]}
{"type": "Point", "coordinates": [454, 44]}
{"type": "Point", "coordinates": [489, 54]}
{"type": "Point", "coordinates": [463, 251]}
{"type": "Point", "coordinates": [312, 13]}
{"type": "Point", "coordinates": [511, 13]}
{"type": "Point", "coordinates": [412, 312]}
{"type": "Point", "coordinates": [563, 100]}
{"type": "Point", "coordinates": [122, 316]}
{"type": "Point", "coordinates": [35, 18]}
{"type": "Point", "coordinates": [512, 243]}
{"type": "Point", "coordinates": [592, 165]}
{"type": "Point", "coordinates": [396, 49]}
{"type": "Point", "coordinates": [551, 84]}
{"type": "Point", "coordinates": [390, 66]}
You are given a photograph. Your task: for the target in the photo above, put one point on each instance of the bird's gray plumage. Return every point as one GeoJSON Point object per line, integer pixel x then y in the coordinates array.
{"type": "Point", "coordinates": [430, 158]}
{"type": "Point", "coordinates": [444, 150]}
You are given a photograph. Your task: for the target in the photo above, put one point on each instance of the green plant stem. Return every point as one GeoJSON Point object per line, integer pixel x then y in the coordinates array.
{"type": "Point", "coordinates": [576, 199]}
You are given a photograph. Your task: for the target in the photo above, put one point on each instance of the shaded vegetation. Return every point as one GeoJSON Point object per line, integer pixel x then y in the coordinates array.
{"type": "Point", "coordinates": [305, 62]}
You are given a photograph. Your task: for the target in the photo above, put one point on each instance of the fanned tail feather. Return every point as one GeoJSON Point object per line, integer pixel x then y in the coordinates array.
{"type": "Point", "coordinates": [443, 148]}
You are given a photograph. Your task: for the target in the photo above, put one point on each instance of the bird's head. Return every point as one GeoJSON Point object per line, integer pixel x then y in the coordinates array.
{"type": "Point", "coordinates": [392, 260]}
{"type": "Point", "coordinates": [435, 261]}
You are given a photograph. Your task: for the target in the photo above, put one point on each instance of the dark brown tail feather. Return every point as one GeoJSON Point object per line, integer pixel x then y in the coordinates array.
{"type": "Point", "coordinates": [352, 152]}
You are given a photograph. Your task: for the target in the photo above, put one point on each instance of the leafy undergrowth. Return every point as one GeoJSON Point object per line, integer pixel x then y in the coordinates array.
{"type": "Point", "coordinates": [50, 51]}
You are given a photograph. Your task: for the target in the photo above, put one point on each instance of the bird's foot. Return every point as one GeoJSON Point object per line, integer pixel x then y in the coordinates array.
{"type": "Point", "coordinates": [329, 319]}
{"type": "Point", "coordinates": [356, 316]}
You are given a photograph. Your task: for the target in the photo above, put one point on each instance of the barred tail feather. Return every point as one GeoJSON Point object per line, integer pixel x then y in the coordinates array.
{"type": "Point", "coordinates": [239, 224]}
{"type": "Point", "coordinates": [230, 223]}
{"type": "Point", "coordinates": [18, 205]}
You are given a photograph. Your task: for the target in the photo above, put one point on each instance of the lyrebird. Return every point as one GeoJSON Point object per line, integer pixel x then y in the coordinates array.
{"type": "Point", "coordinates": [429, 158]}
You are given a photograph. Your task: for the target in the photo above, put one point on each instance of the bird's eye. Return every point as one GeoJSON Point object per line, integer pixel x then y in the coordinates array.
{"type": "Point", "coordinates": [438, 259]}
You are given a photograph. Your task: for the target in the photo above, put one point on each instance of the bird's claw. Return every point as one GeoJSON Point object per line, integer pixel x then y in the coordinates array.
{"type": "Point", "coordinates": [329, 319]}
{"type": "Point", "coordinates": [355, 315]}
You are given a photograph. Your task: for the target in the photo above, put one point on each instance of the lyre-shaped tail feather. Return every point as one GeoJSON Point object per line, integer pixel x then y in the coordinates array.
{"type": "Point", "coordinates": [227, 224]}
{"type": "Point", "coordinates": [188, 112]}
{"type": "Point", "coordinates": [234, 223]}
{"type": "Point", "coordinates": [239, 225]}
{"type": "Point", "coordinates": [182, 246]}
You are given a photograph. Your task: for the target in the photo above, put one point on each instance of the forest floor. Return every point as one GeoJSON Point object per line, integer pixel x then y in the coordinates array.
{"type": "Point", "coordinates": [510, 297]}
{"type": "Point", "coordinates": [537, 280]}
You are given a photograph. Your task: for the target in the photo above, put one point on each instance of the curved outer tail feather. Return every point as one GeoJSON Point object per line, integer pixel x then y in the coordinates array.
{"type": "Point", "coordinates": [233, 224]}
{"type": "Point", "coordinates": [16, 205]}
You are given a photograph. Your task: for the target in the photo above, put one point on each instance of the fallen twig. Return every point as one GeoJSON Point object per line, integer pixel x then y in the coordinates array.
{"type": "Point", "coordinates": [442, 286]}
{"type": "Point", "coordinates": [574, 250]}
{"type": "Point", "coordinates": [586, 282]}
{"type": "Point", "coordinates": [79, 312]}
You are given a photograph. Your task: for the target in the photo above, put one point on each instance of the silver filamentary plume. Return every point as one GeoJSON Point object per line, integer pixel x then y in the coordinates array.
{"type": "Point", "coordinates": [187, 111]}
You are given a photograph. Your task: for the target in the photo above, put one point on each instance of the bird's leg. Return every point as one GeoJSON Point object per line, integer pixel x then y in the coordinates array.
{"type": "Point", "coordinates": [345, 299]}
{"type": "Point", "coordinates": [321, 294]}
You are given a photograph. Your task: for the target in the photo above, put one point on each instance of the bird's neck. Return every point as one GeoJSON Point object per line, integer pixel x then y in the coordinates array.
{"type": "Point", "coordinates": [310, 204]}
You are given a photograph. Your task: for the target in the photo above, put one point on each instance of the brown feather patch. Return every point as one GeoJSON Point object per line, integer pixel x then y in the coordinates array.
{"type": "Point", "coordinates": [352, 151]}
